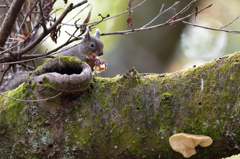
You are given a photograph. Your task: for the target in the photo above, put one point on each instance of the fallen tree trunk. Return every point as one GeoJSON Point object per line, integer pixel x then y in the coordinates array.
{"type": "Point", "coordinates": [128, 116]}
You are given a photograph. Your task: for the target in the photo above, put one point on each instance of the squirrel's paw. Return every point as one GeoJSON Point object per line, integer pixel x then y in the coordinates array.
{"type": "Point", "coordinates": [100, 65]}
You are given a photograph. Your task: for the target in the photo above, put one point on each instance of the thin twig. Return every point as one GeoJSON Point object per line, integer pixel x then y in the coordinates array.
{"type": "Point", "coordinates": [230, 22]}
{"type": "Point", "coordinates": [27, 67]}
{"type": "Point", "coordinates": [5, 71]}
{"type": "Point", "coordinates": [97, 22]}
{"type": "Point", "coordinates": [37, 100]}
{"type": "Point", "coordinates": [79, 4]}
{"type": "Point", "coordinates": [154, 26]}
{"type": "Point", "coordinates": [214, 29]}
{"type": "Point", "coordinates": [77, 28]}
{"type": "Point", "coordinates": [126, 10]}
{"type": "Point", "coordinates": [182, 11]}
{"type": "Point", "coordinates": [44, 34]}
{"type": "Point", "coordinates": [71, 34]}
{"type": "Point", "coordinates": [43, 18]}
{"type": "Point", "coordinates": [85, 24]}
{"type": "Point", "coordinates": [29, 12]}
{"type": "Point", "coordinates": [189, 15]}
{"type": "Point", "coordinates": [78, 13]}
{"type": "Point", "coordinates": [130, 16]}
{"type": "Point", "coordinates": [160, 13]}
{"type": "Point", "coordinates": [25, 17]}
{"type": "Point", "coordinates": [34, 64]}
{"type": "Point", "coordinates": [3, 6]}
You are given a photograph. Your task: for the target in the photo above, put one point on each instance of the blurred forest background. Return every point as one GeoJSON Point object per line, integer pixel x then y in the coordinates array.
{"type": "Point", "coordinates": [161, 50]}
{"type": "Point", "coordinates": [165, 49]}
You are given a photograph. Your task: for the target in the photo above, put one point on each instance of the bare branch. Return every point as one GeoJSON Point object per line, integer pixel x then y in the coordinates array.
{"type": "Point", "coordinates": [25, 17]}
{"type": "Point", "coordinates": [126, 10]}
{"type": "Point", "coordinates": [9, 20]}
{"type": "Point", "coordinates": [5, 71]}
{"type": "Point", "coordinates": [160, 13]}
{"type": "Point", "coordinates": [3, 6]}
{"type": "Point", "coordinates": [44, 34]}
{"type": "Point", "coordinates": [204, 27]}
{"type": "Point", "coordinates": [130, 19]}
{"type": "Point", "coordinates": [42, 17]}
{"type": "Point", "coordinates": [79, 4]}
{"type": "Point", "coordinates": [230, 22]}
{"type": "Point", "coordinates": [170, 21]}
{"type": "Point", "coordinates": [182, 11]}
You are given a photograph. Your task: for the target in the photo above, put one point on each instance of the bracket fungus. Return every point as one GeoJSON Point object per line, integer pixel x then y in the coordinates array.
{"type": "Point", "coordinates": [65, 74]}
{"type": "Point", "coordinates": [186, 143]}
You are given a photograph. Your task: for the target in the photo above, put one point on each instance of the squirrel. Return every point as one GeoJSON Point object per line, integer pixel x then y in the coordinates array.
{"type": "Point", "coordinates": [87, 50]}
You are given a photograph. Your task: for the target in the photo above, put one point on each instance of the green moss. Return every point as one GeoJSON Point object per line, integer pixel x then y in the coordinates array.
{"type": "Point", "coordinates": [131, 116]}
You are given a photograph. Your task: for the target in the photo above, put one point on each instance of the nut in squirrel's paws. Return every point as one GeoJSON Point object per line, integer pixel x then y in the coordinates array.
{"type": "Point", "coordinates": [100, 65]}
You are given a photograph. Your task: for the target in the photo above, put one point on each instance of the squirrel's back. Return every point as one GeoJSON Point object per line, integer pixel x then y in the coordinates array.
{"type": "Point", "coordinates": [89, 48]}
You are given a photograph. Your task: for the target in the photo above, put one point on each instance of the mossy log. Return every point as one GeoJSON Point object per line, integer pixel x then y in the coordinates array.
{"type": "Point", "coordinates": [128, 116]}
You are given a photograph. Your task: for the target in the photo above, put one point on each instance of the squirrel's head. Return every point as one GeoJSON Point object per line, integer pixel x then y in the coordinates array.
{"type": "Point", "coordinates": [92, 44]}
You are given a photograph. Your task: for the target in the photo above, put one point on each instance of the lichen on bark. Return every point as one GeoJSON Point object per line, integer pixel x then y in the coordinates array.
{"type": "Point", "coordinates": [128, 116]}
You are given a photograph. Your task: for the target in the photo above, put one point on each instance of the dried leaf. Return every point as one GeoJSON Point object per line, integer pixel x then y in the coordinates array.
{"type": "Point", "coordinates": [130, 3]}
{"type": "Point", "coordinates": [174, 24]}
{"type": "Point", "coordinates": [88, 17]}
{"type": "Point", "coordinates": [196, 9]}
{"type": "Point", "coordinates": [129, 21]}
{"type": "Point", "coordinates": [25, 33]}
{"type": "Point", "coordinates": [55, 33]}
{"type": "Point", "coordinates": [83, 27]}
{"type": "Point", "coordinates": [20, 38]}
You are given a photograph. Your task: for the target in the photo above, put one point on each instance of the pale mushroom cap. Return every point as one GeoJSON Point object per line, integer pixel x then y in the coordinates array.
{"type": "Point", "coordinates": [186, 143]}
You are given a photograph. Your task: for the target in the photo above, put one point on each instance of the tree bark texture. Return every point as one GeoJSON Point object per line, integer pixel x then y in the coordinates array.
{"type": "Point", "coordinates": [9, 20]}
{"type": "Point", "coordinates": [128, 116]}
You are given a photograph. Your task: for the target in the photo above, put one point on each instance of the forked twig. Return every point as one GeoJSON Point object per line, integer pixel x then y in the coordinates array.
{"type": "Point", "coordinates": [37, 100]}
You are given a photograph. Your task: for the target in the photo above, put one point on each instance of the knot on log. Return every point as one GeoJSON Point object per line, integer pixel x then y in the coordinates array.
{"type": "Point", "coordinates": [65, 74]}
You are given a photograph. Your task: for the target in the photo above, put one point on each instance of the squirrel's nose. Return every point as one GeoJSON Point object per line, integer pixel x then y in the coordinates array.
{"type": "Point", "coordinates": [100, 53]}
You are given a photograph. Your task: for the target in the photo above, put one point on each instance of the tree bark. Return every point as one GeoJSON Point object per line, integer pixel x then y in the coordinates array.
{"type": "Point", "coordinates": [128, 116]}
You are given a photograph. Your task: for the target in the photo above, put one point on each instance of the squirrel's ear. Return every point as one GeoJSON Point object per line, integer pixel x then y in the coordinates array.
{"type": "Point", "coordinates": [87, 35]}
{"type": "Point", "coordinates": [97, 33]}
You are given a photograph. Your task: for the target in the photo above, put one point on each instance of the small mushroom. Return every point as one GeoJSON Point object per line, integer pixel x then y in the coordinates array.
{"type": "Point", "coordinates": [186, 143]}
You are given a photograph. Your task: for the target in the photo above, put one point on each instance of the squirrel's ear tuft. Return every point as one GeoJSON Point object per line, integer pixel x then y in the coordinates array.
{"type": "Point", "coordinates": [87, 35]}
{"type": "Point", "coordinates": [97, 33]}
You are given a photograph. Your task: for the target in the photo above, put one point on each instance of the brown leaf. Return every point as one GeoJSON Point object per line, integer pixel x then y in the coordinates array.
{"type": "Point", "coordinates": [20, 38]}
{"type": "Point", "coordinates": [25, 34]}
{"type": "Point", "coordinates": [83, 27]}
{"type": "Point", "coordinates": [129, 21]}
{"type": "Point", "coordinates": [54, 34]}
{"type": "Point", "coordinates": [88, 17]}
{"type": "Point", "coordinates": [174, 24]}
{"type": "Point", "coordinates": [196, 8]}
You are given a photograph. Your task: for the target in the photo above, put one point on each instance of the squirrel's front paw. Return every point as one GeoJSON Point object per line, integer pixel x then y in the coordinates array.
{"type": "Point", "coordinates": [100, 65]}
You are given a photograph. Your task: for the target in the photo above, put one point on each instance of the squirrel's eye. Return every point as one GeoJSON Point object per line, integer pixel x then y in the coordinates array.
{"type": "Point", "coordinates": [92, 45]}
